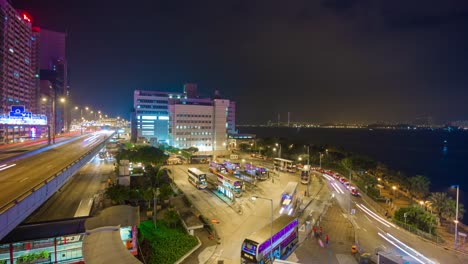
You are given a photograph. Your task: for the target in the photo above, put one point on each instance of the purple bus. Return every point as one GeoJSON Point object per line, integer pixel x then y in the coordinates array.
{"type": "Point", "coordinates": [260, 247]}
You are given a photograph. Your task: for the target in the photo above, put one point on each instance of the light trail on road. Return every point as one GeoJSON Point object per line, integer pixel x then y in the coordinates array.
{"type": "Point", "coordinates": [375, 216]}
{"type": "Point", "coordinates": [5, 166]}
{"type": "Point", "coordinates": [407, 247]}
{"type": "Point", "coordinates": [410, 248]}
{"type": "Point", "coordinates": [336, 187]}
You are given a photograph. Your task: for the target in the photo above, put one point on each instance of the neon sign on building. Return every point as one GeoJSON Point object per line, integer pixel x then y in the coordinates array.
{"type": "Point", "coordinates": [19, 116]}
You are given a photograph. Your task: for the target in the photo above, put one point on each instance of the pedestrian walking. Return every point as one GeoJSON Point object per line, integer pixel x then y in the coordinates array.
{"type": "Point", "coordinates": [321, 231]}
{"type": "Point", "coordinates": [315, 231]}
{"type": "Point", "coordinates": [326, 240]}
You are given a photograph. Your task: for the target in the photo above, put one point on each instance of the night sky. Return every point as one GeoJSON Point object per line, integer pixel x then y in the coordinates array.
{"type": "Point", "coordinates": [321, 60]}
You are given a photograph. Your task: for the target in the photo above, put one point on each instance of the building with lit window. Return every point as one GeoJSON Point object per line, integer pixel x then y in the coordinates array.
{"type": "Point", "coordinates": [198, 123]}
{"type": "Point", "coordinates": [17, 84]}
{"type": "Point", "coordinates": [182, 120]}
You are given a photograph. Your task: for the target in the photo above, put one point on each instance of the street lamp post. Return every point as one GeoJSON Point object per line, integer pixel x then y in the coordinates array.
{"type": "Point", "coordinates": [456, 217]}
{"type": "Point", "coordinates": [271, 224]}
{"type": "Point", "coordinates": [279, 151]}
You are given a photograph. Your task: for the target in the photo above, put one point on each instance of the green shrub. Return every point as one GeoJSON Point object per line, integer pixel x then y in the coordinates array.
{"type": "Point", "coordinates": [167, 244]}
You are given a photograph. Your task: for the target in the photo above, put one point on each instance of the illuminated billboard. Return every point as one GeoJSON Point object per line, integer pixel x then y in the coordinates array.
{"type": "Point", "coordinates": [19, 116]}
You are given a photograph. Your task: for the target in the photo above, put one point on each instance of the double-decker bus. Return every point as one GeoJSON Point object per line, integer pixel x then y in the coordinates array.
{"type": "Point", "coordinates": [262, 173]}
{"type": "Point", "coordinates": [233, 184]}
{"type": "Point", "coordinates": [257, 171]}
{"type": "Point", "coordinates": [289, 199]}
{"type": "Point", "coordinates": [275, 241]}
{"type": "Point", "coordinates": [232, 167]}
{"type": "Point", "coordinates": [197, 178]}
{"type": "Point", "coordinates": [284, 165]}
{"type": "Point", "coordinates": [250, 169]}
{"type": "Point", "coordinates": [217, 167]}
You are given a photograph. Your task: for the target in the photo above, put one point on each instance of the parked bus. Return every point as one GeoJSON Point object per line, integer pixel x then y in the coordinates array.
{"type": "Point", "coordinates": [233, 184]}
{"type": "Point", "coordinates": [259, 172]}
{"type": "Point", "coordinates": [305, 174]}
{"type": "Point", "coordinates": [197, 178]}
{"type": "Point", "coordinates": [257, 247]}
{"type": "Point", "coordinates": [262, 173]}
{"type": "Point", "coordinates": [217, 167]}
{"type": "Point", "coordinates": [232, 167]}
{"type": "Point", "coordinates": [289, 198]}
{"type": "Point", "coordinates": [84, 208]}
{"type": "Point", "coordinates": [284, 165]}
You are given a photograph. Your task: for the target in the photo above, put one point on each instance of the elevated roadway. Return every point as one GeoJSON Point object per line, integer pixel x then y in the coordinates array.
{"type": "Point", "coordinates": [26, 183]}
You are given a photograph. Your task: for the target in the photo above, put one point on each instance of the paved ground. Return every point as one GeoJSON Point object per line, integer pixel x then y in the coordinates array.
{"type": "Point", "coordinates": [313, 249]}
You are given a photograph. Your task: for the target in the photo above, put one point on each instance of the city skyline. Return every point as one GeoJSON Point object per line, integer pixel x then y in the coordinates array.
{"type": "Point", "coordinates": [330, 61]}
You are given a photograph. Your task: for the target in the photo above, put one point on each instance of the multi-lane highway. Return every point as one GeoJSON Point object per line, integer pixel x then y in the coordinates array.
{"type": "Point", "coordinates": [19, 176]}
{"type": "Point", "coordinates": [375, 232]}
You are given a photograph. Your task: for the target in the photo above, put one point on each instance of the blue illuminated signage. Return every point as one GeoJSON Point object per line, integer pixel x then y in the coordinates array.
{"type": "Point", "coordinates": [19, 116]}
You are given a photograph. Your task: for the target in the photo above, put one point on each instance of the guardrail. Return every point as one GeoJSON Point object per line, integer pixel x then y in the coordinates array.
{"type": "Point", "coordinates": [20, 207]}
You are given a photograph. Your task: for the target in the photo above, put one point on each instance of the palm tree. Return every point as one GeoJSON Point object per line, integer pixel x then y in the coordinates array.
{"type": "Point", "coordinates": [171, 217]}
{"type": "Point", "coordinates": [147, 194]}
{"type": "Point", "coordinates": [449, 211]}
{"type": "Point", "coordinates": [439, 201]}
{"type": "Point", "coordinates": [419, 185]}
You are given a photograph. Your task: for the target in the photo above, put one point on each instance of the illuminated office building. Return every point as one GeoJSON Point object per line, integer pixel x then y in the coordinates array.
{"type": "Point", "coordinates": [182, 120]}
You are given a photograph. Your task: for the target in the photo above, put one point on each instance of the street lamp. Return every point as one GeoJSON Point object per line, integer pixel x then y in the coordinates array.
{"type": "Point", "coordinates": [394, 188]}
{"type": "Point", "coordinates": [456, 216]}
{"type": "Point", "coordinates": [271, 224]}
{"type": "Point", "coordinates": [279, 151]}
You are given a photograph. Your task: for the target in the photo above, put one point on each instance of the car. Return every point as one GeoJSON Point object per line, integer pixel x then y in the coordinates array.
{"type": "Point", "coordinates": [347, 185]}
{"type": "Point", "coordinates": [354, 191]}
{"type": "Point", "coordinates": [343, 180]}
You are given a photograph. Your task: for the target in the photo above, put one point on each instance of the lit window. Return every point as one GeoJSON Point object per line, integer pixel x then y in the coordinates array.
{"type": "Point", "coordinates": [11, 50]}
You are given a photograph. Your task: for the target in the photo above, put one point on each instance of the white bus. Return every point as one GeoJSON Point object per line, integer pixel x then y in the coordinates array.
{"type": "Point", "coordinates": [197, 178]}
{"type": "Point", "coordinates": [289, 199]}
{"type": "Point", "coordinates": [284, 165]}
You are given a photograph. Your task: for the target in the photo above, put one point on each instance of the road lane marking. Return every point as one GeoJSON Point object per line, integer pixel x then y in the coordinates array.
{"type": "Point", "coordinates": [24, 179]}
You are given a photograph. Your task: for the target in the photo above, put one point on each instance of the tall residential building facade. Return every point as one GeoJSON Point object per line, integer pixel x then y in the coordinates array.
{"type": "Point", "coordinates": [182, 120]}
{"type": "Point", "coordinates": [17, 84]}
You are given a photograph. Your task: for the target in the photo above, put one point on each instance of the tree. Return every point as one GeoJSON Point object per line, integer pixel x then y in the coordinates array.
{"type": "Point", "coordinates": [147, 194]}
{"type": "Point", "coordinates": [244, 147]}
{"type": "Point", "coordinates": [419, 185]}
{"type": "Point", "coordinates": [449, 211]}
{"type": "Point", "coordinates": [117, 193]}
{"type": "Point", "coordinates": [416, 216]}
{"type": "Point", "coordinates": [171, 217]}
{"type": "Point", "coordinates": [438, 201]}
